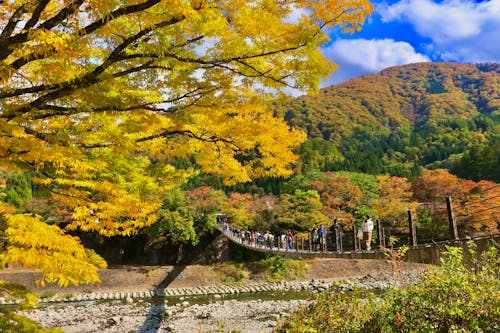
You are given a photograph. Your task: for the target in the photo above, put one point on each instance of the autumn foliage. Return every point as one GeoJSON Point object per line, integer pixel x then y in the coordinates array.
{"type": "Point", "coordinates": [98, 99]}
{"type": "Point", "coordinates": [431, 115]}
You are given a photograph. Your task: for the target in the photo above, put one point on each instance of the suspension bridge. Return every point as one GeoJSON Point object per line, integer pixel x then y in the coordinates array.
{"type": "Point", "coordinates": [302, 247]}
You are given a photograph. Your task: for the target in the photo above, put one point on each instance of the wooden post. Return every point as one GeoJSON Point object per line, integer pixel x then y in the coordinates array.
{"type": "Point", "coordinates": [451, 219]}
{"type": "Point", "coordinates": [412, 229]}
{"type": "Point", "coordinates": [354, 231]}
{"type": "Point", "coordinates": [379, 235]}
{"type": "Point", "coordinates": [341, 240]}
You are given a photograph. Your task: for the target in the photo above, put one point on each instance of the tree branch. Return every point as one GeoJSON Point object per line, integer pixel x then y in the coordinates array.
{"type": "Point", "coordinates": [12, 23]}
{"type": "Point", "coordinates": [36, 14]}
{"type": "Point", "coordinates": [92, 77]}
{"type": "Point", "coordinates": [116, 14]}
{"type": "Point", "coordinates": [49, 24]}
{"type": "Point", "coordinates": [90, 28]}
{"type": "Point", "coordinates": [71, 111]}
{"type": "Point", "coordinates": [9, 28]}
{"type": "Point", "coordinates": [212, 138]}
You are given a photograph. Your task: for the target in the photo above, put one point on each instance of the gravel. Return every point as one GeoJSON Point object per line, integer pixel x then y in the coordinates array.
{"type": "Point", "coordinates": [246, 316]}
{"type": "Point", "coordinates": [189, 314]}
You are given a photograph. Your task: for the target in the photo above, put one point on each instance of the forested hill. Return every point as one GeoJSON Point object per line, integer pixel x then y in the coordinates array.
{"type": "Point", "coordinates": [427, 114]}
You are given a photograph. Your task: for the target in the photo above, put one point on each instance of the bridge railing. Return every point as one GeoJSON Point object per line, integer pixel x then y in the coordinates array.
{"type": "Point", "coordinates": [333, 244]}
{"type": "Point", "coordinates": [281, 243]}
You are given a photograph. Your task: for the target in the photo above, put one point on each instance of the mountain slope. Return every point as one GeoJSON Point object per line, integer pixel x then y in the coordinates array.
{"type": "Point", "coordinates": [425, 114]}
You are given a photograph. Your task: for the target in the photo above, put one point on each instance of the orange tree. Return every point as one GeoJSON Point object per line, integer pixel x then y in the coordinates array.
{"type": "Point", "coordinates": [474, 203]}
{"type": "Point", "coordinates": [430, 189]}
{"type": "Point", "coordinates": [478, 210]}
{"type": "Point", "coordinates": [98, 98]}
{"type": "Point", "coordinates": [340, 197]}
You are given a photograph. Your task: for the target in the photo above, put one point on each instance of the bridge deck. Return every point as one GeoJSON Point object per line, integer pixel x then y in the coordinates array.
{"type": "Point", "coordinates": [423, 253]}
{"type": "Point", "coordinates": [296, 252]}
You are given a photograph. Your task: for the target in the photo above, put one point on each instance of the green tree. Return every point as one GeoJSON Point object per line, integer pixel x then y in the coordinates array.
{"type": "Point", "coordinates": [18, 190]}
{"type": "Point", "coordinates": [206, 202]}
{"type": "Point", "coordinates": [318, 154]}
{"type": "Point", "coordinates": [176, 223]}
{"type": "Point", "coordinates": [302, 211]}
{"type": "Point", "coordinates": [480, 162]}
{"type": "Point", "coordinates": [370, 188]}
{"type": "Point", "coordinates": [301, 181]}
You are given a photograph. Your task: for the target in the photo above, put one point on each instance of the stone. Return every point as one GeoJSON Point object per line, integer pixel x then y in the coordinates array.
{"type": "Point", "coordinates": [110, 322]}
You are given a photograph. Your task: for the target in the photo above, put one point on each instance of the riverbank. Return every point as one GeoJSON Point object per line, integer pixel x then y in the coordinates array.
{"type": "Point", "coordinates": [130, 279]}
{"type": "Point", "coordinates": [195, 298]}
{"type": "Point", "coordinates": [248, 309]}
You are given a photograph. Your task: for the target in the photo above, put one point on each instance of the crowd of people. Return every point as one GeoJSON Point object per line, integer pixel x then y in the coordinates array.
{"type": "Point", "coordinates": [261, 239]}
{"type": "Point", "coordinates": [319, 238]}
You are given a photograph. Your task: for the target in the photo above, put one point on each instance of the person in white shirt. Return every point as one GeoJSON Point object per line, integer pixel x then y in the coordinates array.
{"type": "Point", "coordinates": [367, 232]}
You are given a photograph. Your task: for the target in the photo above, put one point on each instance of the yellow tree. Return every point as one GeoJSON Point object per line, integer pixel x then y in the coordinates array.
{"type": "Point", "coordinates": [238, 210]}
{"type": "Point", "coordinates": [394, 201]}
{"type": "Point", "coordinates": [99, 97]}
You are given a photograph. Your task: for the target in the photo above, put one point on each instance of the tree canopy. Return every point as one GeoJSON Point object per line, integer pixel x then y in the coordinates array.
{"type": "Point", "coordinates": [98, 99]}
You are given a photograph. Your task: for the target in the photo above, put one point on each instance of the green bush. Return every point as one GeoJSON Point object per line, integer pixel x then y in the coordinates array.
{"type": "Point", "coordinates": [13, 322]}
{"type": "Point", "coordinates": [47, 294]}
{"type": "Point", "coordinates": [457, 296]}
{"type": "Point", "coordinates": [280, 268]}
{"type": "Point", "coordinates": [233, 274]}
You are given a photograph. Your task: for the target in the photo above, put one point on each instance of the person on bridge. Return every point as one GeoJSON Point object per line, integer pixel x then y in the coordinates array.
{"type": "Point", "coordinates": [322, 238]}
{"type": "Point", "coordinates": [335, 235]}
{"type": "Point", "coordinates": [367, 232]}
{"type": "Point", "coordinates": [313, 239]}
{"type": "Point", "coordinates": [270, 240]}
{"type": "Point", "coordinates": [289, 239]}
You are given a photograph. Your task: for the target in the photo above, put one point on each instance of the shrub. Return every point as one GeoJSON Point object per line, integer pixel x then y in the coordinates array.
{"type": "Point", "coordinates": [13, 322]}
{"type": "Point", "coordinates": [280, 268]}
{"type": "Point", "coordinates": [454, 297]}
{"type": "Point", "coordinates": [47, 294]}
{"type": "Point", "coordinates": [233, 274]}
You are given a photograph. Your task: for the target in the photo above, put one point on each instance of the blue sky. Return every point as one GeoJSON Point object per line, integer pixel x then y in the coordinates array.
{"type": "Point", "coordinates": [409, 31]}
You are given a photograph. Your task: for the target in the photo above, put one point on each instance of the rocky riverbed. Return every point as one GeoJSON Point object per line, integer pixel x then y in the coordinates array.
{"type": "Point", "coordinates": [143, 316]}
{"type": "Point", "coordinates": [247, 309]}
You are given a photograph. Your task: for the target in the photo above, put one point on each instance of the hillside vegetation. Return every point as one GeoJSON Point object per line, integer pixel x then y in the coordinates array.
{"type": "Point", "coordinates": [444, 115]}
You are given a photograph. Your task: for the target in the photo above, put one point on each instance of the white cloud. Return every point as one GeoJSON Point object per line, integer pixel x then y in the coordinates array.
{"type": "Point", "coordinates": [357, 57]}
{"type": "Point", "coordinates": [295, 15]}
{"type": "Point", "coordinates": [461, 30]}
